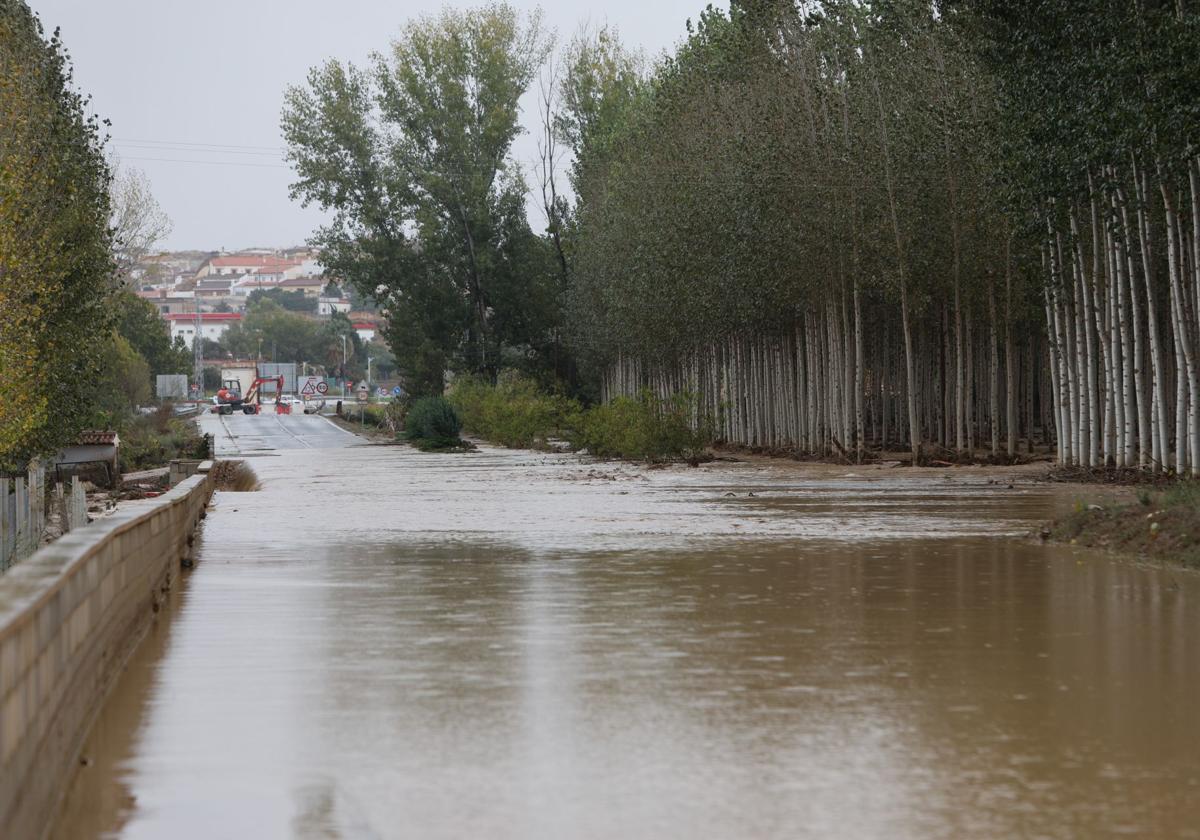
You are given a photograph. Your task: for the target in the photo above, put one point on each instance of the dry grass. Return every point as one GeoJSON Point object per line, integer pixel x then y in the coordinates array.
{"type": "Point", "coordinates": [235, 476]}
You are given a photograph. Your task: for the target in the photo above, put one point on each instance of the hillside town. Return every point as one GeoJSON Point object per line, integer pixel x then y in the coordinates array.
{"type": "Point", "coordinates": [209, 292]}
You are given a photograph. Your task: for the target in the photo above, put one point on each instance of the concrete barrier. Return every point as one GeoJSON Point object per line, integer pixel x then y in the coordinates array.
{"type": "Point", "coordinates": [70, 616]}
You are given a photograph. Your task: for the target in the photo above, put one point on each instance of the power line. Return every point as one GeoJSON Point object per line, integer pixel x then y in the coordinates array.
{"type": "Point", "coordinates": [190, 143]}
{"type": "Point", "coordinates": [214, 162]}
{"type": "Point", "coordinates": [197, 149]}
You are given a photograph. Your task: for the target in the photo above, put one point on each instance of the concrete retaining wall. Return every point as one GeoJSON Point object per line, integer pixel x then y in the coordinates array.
{"type": "Point", "coordinates": [70, 616]}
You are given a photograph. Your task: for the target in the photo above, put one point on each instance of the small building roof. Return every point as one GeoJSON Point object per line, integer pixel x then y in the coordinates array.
{"type": "Point", "coordinates": [304, 282]}
{"type": "Point", "coordinates": [210, 317]}
{"type": "Point", "coordinates": [252, 261]}
{"type": "Point", "coordinates": [98, 437]}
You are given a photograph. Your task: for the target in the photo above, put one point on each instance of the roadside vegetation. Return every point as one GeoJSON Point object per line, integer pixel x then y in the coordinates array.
{"type": "Point", "coordinates": [152, 440]}
{"type": "Point", "coordinates": [514, 412]}
{"type": "Point", "coordinates": [644, 427]}
{"type": "Point", "coordinates": [432, 425]}
{"type": "Point", "coordinates": [1164, 524]}
{"type": "Point", "coordinates": [517, 413]}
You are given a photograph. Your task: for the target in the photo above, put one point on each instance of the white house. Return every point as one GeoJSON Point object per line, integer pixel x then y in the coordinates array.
{"type": "Point", "coordinates": [308, 267]}
{"type": "Point", "coordinates": [366, 331]}
{"type": "Point", "coordinates": [263, 278]}
{"type": "Point", "coordinates": [329, 305]}
{"type": "Point", "coordinates": [212, 325]}
{"type": "Point", "coordinates": [310, 286]}
{"type": "Point", "coordinates": [244, 264]}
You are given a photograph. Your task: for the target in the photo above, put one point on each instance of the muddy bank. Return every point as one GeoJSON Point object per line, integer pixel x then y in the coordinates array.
{"type": "Point", "coordinates": [1151, 524]}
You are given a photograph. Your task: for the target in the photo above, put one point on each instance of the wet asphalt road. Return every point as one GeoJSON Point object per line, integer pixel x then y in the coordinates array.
{"type": "Point", "coordinates": [255, 434]}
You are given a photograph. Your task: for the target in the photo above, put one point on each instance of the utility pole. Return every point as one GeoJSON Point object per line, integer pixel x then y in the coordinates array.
{"type": "Point", "coordinates": [343, 367]}
{"type": "Point", "coordinates": [198, 351]}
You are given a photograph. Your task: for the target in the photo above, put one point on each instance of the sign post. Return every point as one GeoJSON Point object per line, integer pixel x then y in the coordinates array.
{"type": "Point", "coordinates": [364, 396]}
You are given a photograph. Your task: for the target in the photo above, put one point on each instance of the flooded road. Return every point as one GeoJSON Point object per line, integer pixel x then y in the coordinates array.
{"type": "Point", "coordinates": [388, 644]}
{"type": "Point", "coordinates": [249, 435]}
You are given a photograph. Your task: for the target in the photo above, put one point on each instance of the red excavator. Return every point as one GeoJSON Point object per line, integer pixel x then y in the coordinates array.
{"type": "Point", "coordinates": [229, 400]}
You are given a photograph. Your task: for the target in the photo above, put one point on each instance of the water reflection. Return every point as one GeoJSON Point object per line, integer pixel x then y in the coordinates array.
{"type": "Point", "coordinates": [499, 651]}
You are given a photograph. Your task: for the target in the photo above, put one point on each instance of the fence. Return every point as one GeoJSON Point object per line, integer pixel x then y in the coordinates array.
{"type": "Point", "coordinates": [171, 386]}
{"type": "Point", "coordinates": [23, 513]}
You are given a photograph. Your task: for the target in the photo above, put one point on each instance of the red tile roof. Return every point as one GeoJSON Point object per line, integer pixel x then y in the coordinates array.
{"type": "Point", "coordinates": [97, 437]}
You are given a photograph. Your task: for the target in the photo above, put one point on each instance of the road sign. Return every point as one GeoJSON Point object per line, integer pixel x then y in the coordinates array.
{"type": "Point", "coordinates": [397, 391]}
{"type": "Point", "coordinates": [312, 386]}
{"type": "Point", "coordinates": [363, 394]}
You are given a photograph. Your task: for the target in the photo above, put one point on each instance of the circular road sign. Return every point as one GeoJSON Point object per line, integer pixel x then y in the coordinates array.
{"type": "Point", "coordinates": [322, 388]}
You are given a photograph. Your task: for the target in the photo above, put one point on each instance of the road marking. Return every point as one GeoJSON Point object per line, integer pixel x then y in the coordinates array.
{"type": "Point", "coordinates": [300, 440]}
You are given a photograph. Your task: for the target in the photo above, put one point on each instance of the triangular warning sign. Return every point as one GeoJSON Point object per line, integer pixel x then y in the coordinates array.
{"type": "Point", "coordinates": [309, 388]}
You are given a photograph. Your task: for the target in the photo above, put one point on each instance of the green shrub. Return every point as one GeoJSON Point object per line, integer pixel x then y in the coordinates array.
{"type": "Point", "coordinates": [514, 412]}
{"type": "Point", "coordinates": [150, 441]}
{"type": "Point", "coordinates": [645, 428]}
{"type": "Point", "coordinates": [433, 424]}
{"type": "Point", "coordinates": [1186, 492]}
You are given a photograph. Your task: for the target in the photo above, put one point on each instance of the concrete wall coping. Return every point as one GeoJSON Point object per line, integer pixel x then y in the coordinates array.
{"type": "Point", "coordinates": [26, 587]}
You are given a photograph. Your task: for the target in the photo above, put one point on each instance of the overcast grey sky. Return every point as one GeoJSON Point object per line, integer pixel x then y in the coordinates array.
{"type": "Point", "coordinates": [184, 82]}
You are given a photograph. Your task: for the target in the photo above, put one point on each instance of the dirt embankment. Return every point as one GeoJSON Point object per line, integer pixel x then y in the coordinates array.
{"type": "Point", "coordinates": [1162, 523]}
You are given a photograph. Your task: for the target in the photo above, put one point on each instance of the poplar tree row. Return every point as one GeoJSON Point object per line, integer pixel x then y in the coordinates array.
{"type": "Point", "coordinates": [1102, 105]}
{"type": "Point", "coordinates": [851, 226]}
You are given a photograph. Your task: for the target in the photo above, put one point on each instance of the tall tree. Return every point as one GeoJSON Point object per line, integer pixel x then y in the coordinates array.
{"type": "Point", "coordinates": [55, 244]}
{"type": "Point", "coordinates": [414, 158]}
{"type": "Point", "coordinates": [138, 221]}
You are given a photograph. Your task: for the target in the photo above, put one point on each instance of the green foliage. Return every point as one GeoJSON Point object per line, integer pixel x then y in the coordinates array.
{"type": "Point", "coordinates": [268, 331]}
{"type": "Point", "coordinates": [295, 301]}
{"type": "Point", "coordinates": [139, 323]}
{"type": "Point", "coordinates": [122, 385]}
{"type": "Point", "coordinates": [432, 424]}
{"type": "Point", "coordinates": [643, 429]}
{"type": "Point", "coordinates": [212, 378]}
{"type": "Point", "coordinates": [515, 412]}
{"type": "Point", "coordinates": [151, 441]}
{"type": "Point", "coordinates": [440, 241]}
{"type": "Point", "coordinates": [56, 262]}
{"type": "Point", "coordinates": [1184, 494]}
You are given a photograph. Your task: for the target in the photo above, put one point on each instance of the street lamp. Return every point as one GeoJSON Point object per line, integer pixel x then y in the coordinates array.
{"type": "Point", "coordinates": [369, 360]}
{"type": "Point", "coordinates": [343, 366]}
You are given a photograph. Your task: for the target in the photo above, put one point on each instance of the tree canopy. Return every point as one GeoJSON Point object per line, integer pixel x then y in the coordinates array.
{"type": "Point", "coordinates": [56, 265]}
{"type": "Point", "coordinates": [413, 156]}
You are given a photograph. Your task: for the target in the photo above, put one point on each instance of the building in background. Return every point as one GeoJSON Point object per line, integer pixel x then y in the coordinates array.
{"type": "Point", "coordinates": [170, 302]}
{"type": "Point", "coordinates": [328, 305]}
{"type": "Point", "coordinates": [212, 325]}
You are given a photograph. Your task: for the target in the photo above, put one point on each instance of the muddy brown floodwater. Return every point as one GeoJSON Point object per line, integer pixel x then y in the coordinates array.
{"type": "Point", "coordinates": [388, 644]}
